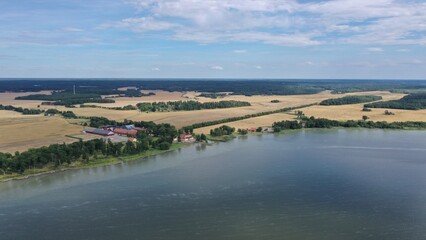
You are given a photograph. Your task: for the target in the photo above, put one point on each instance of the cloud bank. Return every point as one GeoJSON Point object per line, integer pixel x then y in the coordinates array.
{"type": "Point", "coordinates": [282, 22]}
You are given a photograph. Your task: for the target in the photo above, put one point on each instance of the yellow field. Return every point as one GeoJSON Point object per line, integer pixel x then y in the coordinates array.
{"type": "Point", "coordinates": [21, 132]}
{"type": "Point", "coordinates": [354, 112]}
{"type": "Point", "coordinates": [184, 118]}
{"type": "Point", "coordinates": [262, 121]}
{"type": "Point", "coordinates": [9, 99]}
{"type": "Point", "coordinates": [24, 131]}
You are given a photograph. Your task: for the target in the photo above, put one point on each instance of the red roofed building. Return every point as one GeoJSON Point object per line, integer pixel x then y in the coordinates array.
{"type": "Point", "coordinates": [251, 129]}
{"type": "Point", "coordinates": [186, 138]}
{"type": "Point", "coordinates": [125, 132]}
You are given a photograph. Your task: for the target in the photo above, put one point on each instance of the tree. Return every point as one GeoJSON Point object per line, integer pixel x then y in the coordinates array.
{"type": "Point", "coordinates": [365, 118]}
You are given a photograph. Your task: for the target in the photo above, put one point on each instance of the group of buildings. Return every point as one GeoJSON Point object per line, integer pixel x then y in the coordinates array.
{"type": "Point", "coordinates": [127, 131]}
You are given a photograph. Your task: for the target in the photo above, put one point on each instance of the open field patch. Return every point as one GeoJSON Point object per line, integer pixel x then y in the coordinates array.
{"type": "Point", "coordinates": [354, 112]}
{"type": "Point", "coordinates": [23, 132]}
{"type": "Point", "coordinates": [262, 121]}
{"type": "Point", "coordinates": [185, 118]}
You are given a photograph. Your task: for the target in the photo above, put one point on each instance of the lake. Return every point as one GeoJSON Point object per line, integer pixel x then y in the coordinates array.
{"type": "Point", "coordinates": [314, 184]}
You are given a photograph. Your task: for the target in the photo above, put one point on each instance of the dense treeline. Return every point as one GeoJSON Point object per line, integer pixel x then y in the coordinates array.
{"type": "Point", "coordinates": [233, 119]}
{"type": "Point", "coordinates": [67, 99]}
{"type": "Point", "coordinates": [351, 100]}
{"type": "Point", "coordinates": [222, 131]}
{"type": "Point", "coordinates": [24, 111]}
{"type": "Point", "coordinates": [212, 95]}
{"type": "Point", "coordinates": [124, 108]}
{"type": "Point", "coordinates": [28, 111]}
{"type": "Point", "coordinates": [244, 87]}
{"type": "Point", "coordinates": [187, 105]}
{"type": "Point", "coordinates": [157, 136]}
{"type": "Point", "coordinates": [413, 101]}
{"type": "Point", "coordinates": [326, 123]}
{"type": "Point", "coordinates": [136, 93]}
{"type": "Point", "coordinates": [65, 114]}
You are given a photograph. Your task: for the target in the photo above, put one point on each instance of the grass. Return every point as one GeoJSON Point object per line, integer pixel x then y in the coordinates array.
{"type": "Point", "coordinates": [223, 138]}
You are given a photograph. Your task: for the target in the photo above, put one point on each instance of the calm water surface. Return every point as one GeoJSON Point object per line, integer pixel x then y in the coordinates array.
{"type": "Point", "coordinates": [334, 184]}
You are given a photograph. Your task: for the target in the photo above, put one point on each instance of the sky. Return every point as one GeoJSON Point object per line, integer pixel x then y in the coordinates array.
{"type": "Point", "coordinates": [285, 39]}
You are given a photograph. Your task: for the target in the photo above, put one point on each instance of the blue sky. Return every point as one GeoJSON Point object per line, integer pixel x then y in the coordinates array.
{"type": "Point", "coordinates": [363, 39]}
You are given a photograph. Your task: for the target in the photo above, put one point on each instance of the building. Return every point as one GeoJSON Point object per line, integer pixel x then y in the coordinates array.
{"type": "Point", "coordinates": [186, 138]}
{"type": "Point", "coordinates": [125, 132]}
{"type": "Point", "coordinates": [129, 127]}
{"type": "Point", "coordinates": [268, 129]}
{"type": "Point", "coordinates": [253, 129]}
{"type": "Point", "coordinates": [99, 132]}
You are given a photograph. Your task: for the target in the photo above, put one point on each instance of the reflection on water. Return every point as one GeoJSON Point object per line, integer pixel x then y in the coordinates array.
{"type": "Point", "coordinates": [335, 184]}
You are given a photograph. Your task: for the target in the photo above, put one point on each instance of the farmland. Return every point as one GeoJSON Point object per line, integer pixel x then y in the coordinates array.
{"type": "Point", "coordinates": [21, 132]}
{"type": "Point", "coordinates": [45, 130]}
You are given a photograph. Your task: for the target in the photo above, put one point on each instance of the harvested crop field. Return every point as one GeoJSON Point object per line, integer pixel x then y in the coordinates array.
{"type": "Point", "coordinates": [354, 112]}
{"type": "Point", "coordinates": [262, 121]}
{"type": "Point", "coordinates": [8, 98]}
{"type": "Point", "coordinates": [184, 118]}
{"type": "Point", "coordinates": [20, 132]}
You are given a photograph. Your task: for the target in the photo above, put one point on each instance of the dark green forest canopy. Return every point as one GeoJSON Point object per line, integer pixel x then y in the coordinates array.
{"type": "Point", "coordinates": [415, 101]}
{"type": "Point", "coordinates": [351, 100]}
{"type": "Point", "coordinates": [155, 136]}
{"type": "Point", "coordinates": [188, 105]}
{"type": "Point", "coordinates": [237, 86]}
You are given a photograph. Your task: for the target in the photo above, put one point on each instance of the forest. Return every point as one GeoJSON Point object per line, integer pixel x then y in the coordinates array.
{"type": "Point", "coordinates": [24, 111]}
{"type": "Point", "coordinates": [237, 86]}
{"type": "Point", "coordinates": [212, 95]}
{"type": "Point", "coordinates": [67, 99]}
{"type": "Point", "coordinates": [351, 100]}
{"type": "Point", "coordinates": [83, 95]}
{"type": "Point", "coordinates": [187, 105]}
{"type": "Point", "coordinates": [415, 101]}
{"type": "Point", "coordinates": [157, 136]}
{"type": "Point", "coordinates": [28, 111]}
{"type": "Point", "coordinates": [313, 122]}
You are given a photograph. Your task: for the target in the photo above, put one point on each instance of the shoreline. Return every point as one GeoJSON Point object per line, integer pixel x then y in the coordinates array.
{"type": "Point", "coordinates": [109, 161]}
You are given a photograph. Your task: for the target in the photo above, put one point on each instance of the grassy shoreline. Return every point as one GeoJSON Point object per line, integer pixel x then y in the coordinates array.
{"type": "Point", "coordinates": [106, 161]}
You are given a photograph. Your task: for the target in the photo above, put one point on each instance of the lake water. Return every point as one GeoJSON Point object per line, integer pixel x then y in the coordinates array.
{"type": "Point", "coordinates": [331, 184]}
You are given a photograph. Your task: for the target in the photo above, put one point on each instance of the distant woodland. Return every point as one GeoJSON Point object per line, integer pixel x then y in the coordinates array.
{"type": "Point", "coordinates": [415, 101]}
{"type": "Point", "coordinates": [187, 105]}
{"type": "Point", "coordinates": [240, 87]}
{"type": "Point", "coordinates": [351, 100]}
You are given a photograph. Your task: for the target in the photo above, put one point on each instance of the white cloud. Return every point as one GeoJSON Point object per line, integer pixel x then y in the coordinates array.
{"type": "Point", "coordinates": [375, 49]}
{"type": "Point", "coordinates": [216, 68]}
{"type": "Point", "coordinates": [402, 50]}
{"type": "Point", "coordinates": [240, 51]}
{"type": "Point", "coordinates": [283, 22]}
{"type": "Point", "coordinates": [258, 67]}
{"type": "Point", "coordinates": [72, 29]}
{"type": "Point", "coordinates": [143, 24]}
{"type": "Point", "coordinates": [155, 69]}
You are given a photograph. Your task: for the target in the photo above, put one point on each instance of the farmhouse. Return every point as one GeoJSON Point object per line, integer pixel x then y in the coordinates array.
{"type": "Point", "coordinates": [100, 132]}
{"type": "Point", "coordinates": [253, 129]}
{"type": "Point", "coordinates": [186, 138]}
